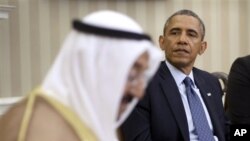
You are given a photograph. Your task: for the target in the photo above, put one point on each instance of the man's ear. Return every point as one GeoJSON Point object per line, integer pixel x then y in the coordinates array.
{"type": "Point", "coordinates": [161, 42]}
{"type": "Point", "coordinates": [203, 47]}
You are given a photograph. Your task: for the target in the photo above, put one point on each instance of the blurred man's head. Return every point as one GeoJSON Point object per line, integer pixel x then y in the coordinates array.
{"type": "Point", "coordinates": [101, 67]}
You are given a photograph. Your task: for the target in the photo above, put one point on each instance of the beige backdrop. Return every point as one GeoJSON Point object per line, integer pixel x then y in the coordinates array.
{"type": "Point", "coordinates": [33, 34]}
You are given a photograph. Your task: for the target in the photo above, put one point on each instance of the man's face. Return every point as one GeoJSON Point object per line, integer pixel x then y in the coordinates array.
{"type": "Point", "coordinates": [135, 83]}
{"type": "Point", "coordinates": [182, 41]}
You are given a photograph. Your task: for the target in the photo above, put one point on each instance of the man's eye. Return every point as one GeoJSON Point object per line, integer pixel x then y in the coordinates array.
{"type": "Point", "coordinates": [174, 33]}
{"type": "Point", "coordinates": [192, 35]}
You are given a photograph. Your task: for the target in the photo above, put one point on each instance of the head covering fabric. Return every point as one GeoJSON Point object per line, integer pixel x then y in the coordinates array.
{"type": "Point", "coordinates": [90, 72]}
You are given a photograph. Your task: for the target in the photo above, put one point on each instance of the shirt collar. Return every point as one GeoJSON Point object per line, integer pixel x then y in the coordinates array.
{"type": "Point", "coordinates": [178, 75]}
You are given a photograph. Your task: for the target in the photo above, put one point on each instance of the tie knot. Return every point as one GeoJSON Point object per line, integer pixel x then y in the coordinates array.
{"type": "Point", "coordinates": [188, 81]}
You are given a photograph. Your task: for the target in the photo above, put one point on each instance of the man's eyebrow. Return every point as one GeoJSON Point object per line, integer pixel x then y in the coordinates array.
{"type": "Point", "coordinates": [175, 28]}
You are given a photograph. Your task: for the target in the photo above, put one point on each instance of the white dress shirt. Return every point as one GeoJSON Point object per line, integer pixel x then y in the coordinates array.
{"type": "Point", "coordinates": [179, 77]}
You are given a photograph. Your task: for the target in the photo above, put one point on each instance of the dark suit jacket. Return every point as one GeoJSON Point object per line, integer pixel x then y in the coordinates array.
{"type": "Point", "coordinates": [238, 93]}
{"type": "Point", "coordinates": [160, 115]}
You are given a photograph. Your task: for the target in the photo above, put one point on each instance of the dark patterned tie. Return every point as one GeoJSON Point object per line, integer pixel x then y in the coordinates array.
{"type": "Point", "coordinates": [198, 114]}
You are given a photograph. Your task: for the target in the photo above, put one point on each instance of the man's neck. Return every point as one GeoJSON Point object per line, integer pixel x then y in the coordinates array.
{"type": "Point", "coordinates": [185, 69]}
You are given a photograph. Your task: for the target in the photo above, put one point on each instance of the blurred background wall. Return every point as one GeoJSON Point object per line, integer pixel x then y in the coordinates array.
{"type": "Point", "coordinates": [32, 35]}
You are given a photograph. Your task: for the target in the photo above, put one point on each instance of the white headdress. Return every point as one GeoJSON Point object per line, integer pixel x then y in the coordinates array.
{"type": "Point", "coordinates": [91, 70]}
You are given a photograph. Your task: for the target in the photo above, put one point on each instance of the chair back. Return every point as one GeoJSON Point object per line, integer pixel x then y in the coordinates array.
{"type": "Point", "coordinates": [223, 78]}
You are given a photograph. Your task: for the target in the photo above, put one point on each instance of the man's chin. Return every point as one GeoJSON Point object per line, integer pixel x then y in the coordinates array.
{"type": "Point", "coordinates": [123, 107]}
{"type": "Point", "coordinates": [180, 62]}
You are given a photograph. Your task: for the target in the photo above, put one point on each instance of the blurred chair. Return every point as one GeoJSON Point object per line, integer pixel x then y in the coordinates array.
{"type": "Point", "coordinates": [7, 102]}
{"type": "Point", "coordinates": [223, 78]}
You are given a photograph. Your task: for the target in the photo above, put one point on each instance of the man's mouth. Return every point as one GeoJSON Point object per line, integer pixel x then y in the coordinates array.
{"type": "Point", "coordinates": [127, 99]}
{"type": "Point", "coordinates": [181, 51]}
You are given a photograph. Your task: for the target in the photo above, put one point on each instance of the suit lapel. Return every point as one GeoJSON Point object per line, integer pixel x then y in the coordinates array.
{"type": "Point", "coordinates": [208, 99]}
{"type": "Point", "coordinates": [173, 97]}
{"type": "Point", "coordinates": [204, 90]}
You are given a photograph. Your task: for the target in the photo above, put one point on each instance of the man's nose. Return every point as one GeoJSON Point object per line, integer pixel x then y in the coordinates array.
{"type": "Point", "coordinates": [139, 89]}
{"type": "Point", "coordinates": [183, 39]}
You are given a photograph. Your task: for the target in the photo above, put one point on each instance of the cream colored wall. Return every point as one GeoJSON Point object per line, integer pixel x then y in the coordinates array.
{"type": "Point", "coordinates": [31, 37]}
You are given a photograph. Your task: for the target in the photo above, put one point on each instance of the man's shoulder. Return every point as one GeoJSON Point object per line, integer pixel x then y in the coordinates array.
{"type": "Point", "coordinates": [204, 75]}
{"type": "Point", "coordinates": [244, 58]}
{"type": "Point", "coordinates": [44, 118]}
{"type": "Point", "coordinates": [160, 73]}
{"type": "Point", "coordinates": [10, 122]}
{"type": "Point", "coordinates": [243, 62]}
{"type": "Point", "coordinates": [202, 72]}
{"type": "Point", "coordinates": [48, 120]}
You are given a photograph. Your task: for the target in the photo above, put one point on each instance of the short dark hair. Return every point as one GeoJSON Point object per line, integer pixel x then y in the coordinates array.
{"type": "Point", "coordinates": [187, 13]}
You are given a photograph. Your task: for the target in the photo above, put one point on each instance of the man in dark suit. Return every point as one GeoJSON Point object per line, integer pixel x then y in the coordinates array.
{"type": "Point", "coordinates": [165, 113]}
{"type": "Point", "coordinates": [238, 96]}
